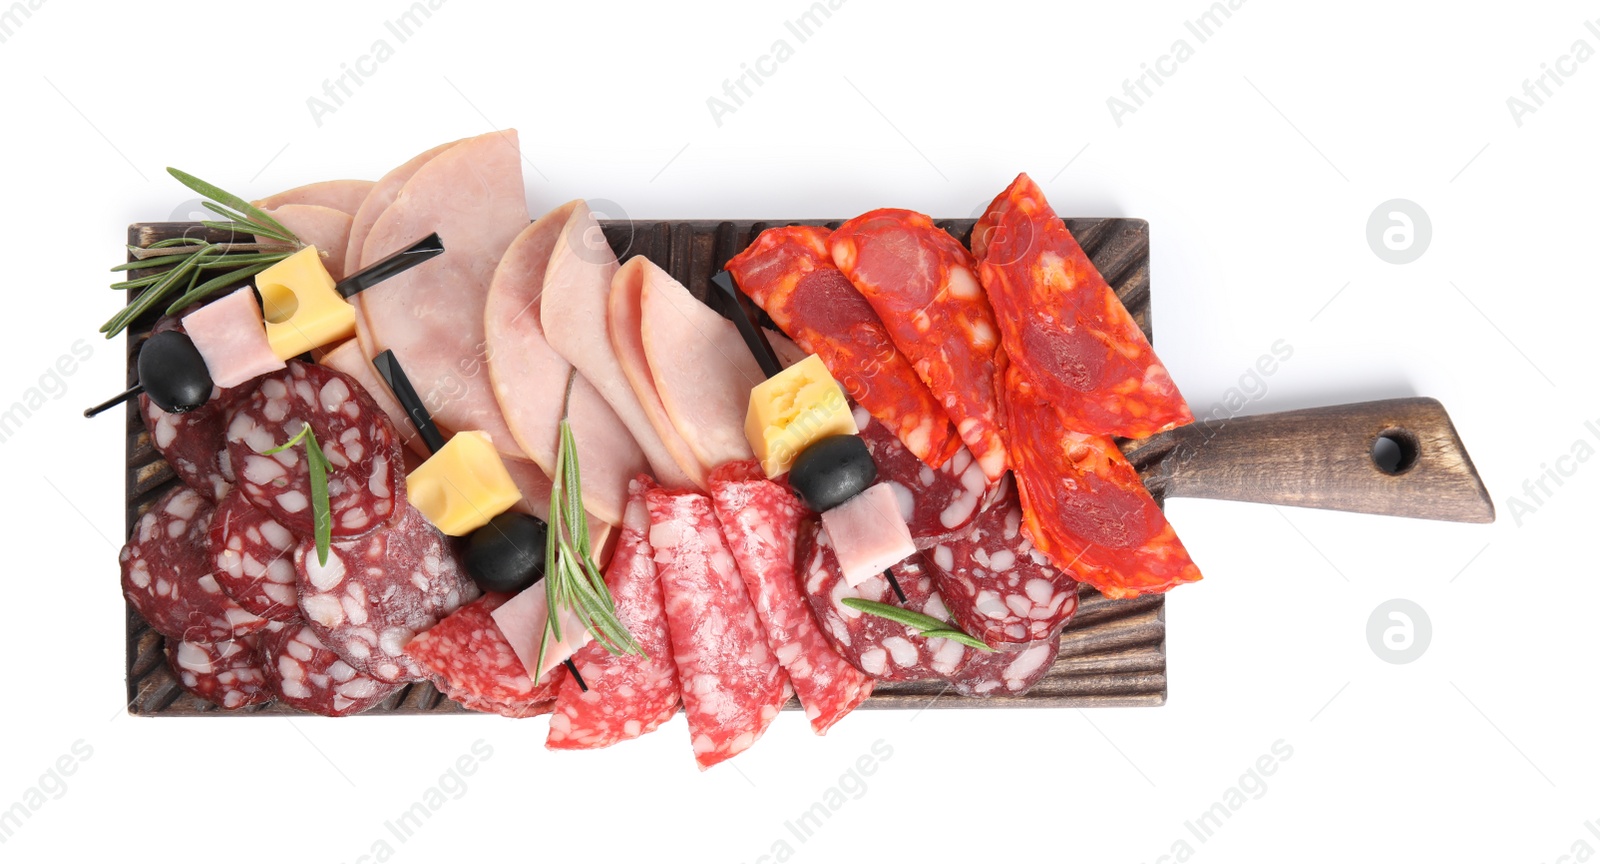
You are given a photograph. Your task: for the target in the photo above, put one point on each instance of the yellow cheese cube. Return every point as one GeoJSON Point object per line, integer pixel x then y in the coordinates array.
{"type": "Point", "coordinates": [792, 409]}
{"type": "Point", "coordinates": [463, 486]}
{"type": "Point", "coordinates": [300, 306]}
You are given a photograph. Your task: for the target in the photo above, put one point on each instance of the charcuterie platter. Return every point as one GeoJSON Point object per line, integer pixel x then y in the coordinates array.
{"type": "Point", "coordinates": [605, 469]}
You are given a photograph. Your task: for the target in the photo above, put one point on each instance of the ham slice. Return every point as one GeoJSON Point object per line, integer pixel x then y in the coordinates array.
{"type": "Point", "coordinates": [623, 324]}
{"type": "Point", "coordinates": [577, 285]}
{"type": "Point", "coordinates": [378, 199]}
{"type": "Point", "coordinates": [432, 316]}
{"type": "Point", "coordinates": [629, 694]}
{"type": "Point", "coordinates": [733, 686]}
{"type": "Point", "coordinates": [700, 367]}
{"type": "Point", "coordinates": [323, 227]}
{"type": "Point", "coordinates": [342, 195]}
{"type": "Point", "coordinates": [530, 379]}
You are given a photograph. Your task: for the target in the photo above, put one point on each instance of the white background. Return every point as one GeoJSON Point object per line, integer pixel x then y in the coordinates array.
{"type": "Point", "coordinates": [1257, 164]}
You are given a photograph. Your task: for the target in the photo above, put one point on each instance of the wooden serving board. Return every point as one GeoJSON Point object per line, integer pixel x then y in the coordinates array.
{"type": "Point", "coordinates": [1114, 651]}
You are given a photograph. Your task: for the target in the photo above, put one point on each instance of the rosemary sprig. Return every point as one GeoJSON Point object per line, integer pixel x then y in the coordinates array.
{"type": "Point", "coordinates": [187, 257]}
{"type": "Point", "coordinates": [317, 463]}
{"type": "Point", "coordinates": [572, 580]}
{"type": "Point", "coordinates": [928, 626]}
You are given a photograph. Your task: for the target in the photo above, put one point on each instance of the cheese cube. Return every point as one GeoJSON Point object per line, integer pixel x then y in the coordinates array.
{"type": "Point", "coordinates": [228, 333]}
{"type": "Point", "coordinates": [869, 533]}
{"type": "Point", "coordinates": [791, 410]}
{"type": "Point", "coordinates": [463, 486]}
{"type": "Point", "coordinates": [302, 309]}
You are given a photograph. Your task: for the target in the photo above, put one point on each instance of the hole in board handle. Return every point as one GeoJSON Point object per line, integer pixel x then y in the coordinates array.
{"type": "Point", "coordinates": [1395, 450]}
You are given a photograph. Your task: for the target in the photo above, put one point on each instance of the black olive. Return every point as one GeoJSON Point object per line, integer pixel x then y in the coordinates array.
{"type": "Point", "coordinates": [507, 555]}
{"type": "Point", "coordinates": [832, 471]}
{"type": "Point", "coordinates": [173, 373]}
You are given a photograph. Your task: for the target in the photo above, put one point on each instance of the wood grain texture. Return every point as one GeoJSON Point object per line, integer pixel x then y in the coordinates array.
{"type": "Point", "coordinates": [1114, 653]}
{"type": "Point", "coordinates": [1323, 458]}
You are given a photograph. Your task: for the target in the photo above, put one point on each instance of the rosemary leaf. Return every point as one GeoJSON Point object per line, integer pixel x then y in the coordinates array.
{"type": "Point", "coordinates": [927, 626]}
{"type": "Point", "coordinates": [214, 284]}
{"type": "Point", "coordinates": [228, 199]}
{"type": "Point", "coordinates": [161, 261]}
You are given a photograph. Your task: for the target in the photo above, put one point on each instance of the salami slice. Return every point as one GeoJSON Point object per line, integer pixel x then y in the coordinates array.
{"type": "Point", "coordinates": [937, 503]}
{"type": "Point", "coordinates": [1069, 340]}
{"type": "Point", "coordinates": [875, 645]}
{"type": "Point", "coordinates": [789, 273]}
{"type": "Point", "coordinates": [367, 480]}
{"type": "Point", "coordinates": [761, 521]}
{"type": "Point", "coordinates": [998, 587]}
{"type": "Point", "coordinates": [628, 694]}
{"type": "Point", "coordinates": [254, 558]}
{"type": "Point", "coordinates": [924, 286]}
{"type": "Point", "coordinates": [193, 442]}
{"type": "Point", "coordinates": [1085, 507]}
{"type": "Point", "coordinates": [470, 661]}
{"type": "Point", "coordinates": [307, 674]}
{"type": "Point", "coordinates": [1010, 671]}
{"type": "Point", "coordinates": [166, 573]}
{"type": "Point", "coordinates": [228, 674]}
{"type": "Point", "coordinates": [376, 593]}
{"type": "Point", "coordinates": [733, 686]}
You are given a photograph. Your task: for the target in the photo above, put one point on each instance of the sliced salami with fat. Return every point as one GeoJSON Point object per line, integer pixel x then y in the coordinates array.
{"type": "Point", "coordinates": [761, 521]}
{"type": "Point", "coordinates": [366, 481]}
{"type": "Point", "coordinates": [167, 576]}
{"type": "Point", "coordinates": [937, 503]}
{"type": "Point", "coordinates": [629, 694]}
{"type": "Point", "coordinates": [254, 558]}
{"type": "Point", "coordinates": [1010, 671]}
{"type": "Point", "coordinates": [307, 674]}
{"type": "Point", "coordinates": [733, 686]}
{"type": "Point", "coordinates": [881, 648]}
{"type": "Point", "coordinates": [376, 593]}
{"type": "Point", "coordinates": [997, 585]}
{"type": "Point", "coordinates": [469, 660]}
{"type": "Point", "coordinates": [230, 674]}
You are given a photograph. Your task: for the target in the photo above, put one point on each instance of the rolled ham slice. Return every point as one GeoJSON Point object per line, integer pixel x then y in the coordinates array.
{"type": "Point", "coordinates": [323, 227]}
{"type": "Point", "coordinates": [577, 285]}
{"type": "Point", "coordinates": [342, 195]}
{"type": "Point", "coordinates": [530, 379]}
{"type": "Point", "coordinates": [432, 316]}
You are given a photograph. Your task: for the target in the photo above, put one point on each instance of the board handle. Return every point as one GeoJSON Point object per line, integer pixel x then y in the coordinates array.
{"type": "Point", "coordinates": [1397, 457]}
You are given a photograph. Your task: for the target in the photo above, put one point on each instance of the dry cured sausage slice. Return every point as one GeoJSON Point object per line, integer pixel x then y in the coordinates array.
{"type": "Point", "coordinates": [166, 573]}
{"type": "Point", "coordinates": [376, 593]}
{"type": "Point", "coordinates": [1069, 340]}
{"type": "Point", "coordinates": [937, 503]}
{"type": "Point", "coordinates": [998, 587]}
{"type": "Point", "coordinates": [761, 521]}
{"type": "Point", "coordinates": [628, 694]}
{"type": "Point", "coordinates": [228, 674]}
{"type": "Point", "coordinates": [732, 684]}
{"type": "Point", "coordinates": [924, 286]}
{"type": "Point", "coordinates": [307, 674]}
{"type": "Point", "coordinates": [1086, 509]}
{"type": "Point", "coordinates": [789, 273]}
{"type": "Point", "coordinates": [254, 558]}
{"type": "Point", "coordinates": [469, 660]}
{"type": "Point", "coordinates": [366, 481]}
